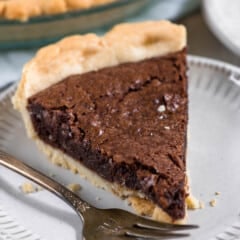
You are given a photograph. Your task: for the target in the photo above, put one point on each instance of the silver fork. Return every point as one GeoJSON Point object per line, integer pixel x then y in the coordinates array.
{"type": "Point", "coordinates": [99, 224]}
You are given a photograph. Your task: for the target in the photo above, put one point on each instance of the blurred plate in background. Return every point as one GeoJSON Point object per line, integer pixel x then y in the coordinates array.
{"type": "Point", "coordinates": [223, 18]}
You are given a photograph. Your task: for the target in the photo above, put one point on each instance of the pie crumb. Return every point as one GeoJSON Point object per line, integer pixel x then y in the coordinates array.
{"type": "Point", "coordinates": [29, 187]}
{"type": "Point", "coordinates": [213, 203]}
{"type": "Point", "coordinates": [193, 203]}
{"type": "Point", "coordinates": [201, 205]}
{"type": "Point", "coordinates": [217, 193]}
{"type": "Point", "coordinates": [74, 187]}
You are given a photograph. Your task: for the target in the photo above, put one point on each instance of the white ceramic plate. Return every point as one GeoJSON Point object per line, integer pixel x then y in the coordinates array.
{"type": "Point", "coordinates": [223, 18]}
{"type": "Point", "coordinates": [213, 159]}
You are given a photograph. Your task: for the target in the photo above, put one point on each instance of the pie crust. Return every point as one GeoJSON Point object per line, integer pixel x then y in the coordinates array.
{"type": "Point", "coordinates": [1, 8]}
{"type": "Point", "coordinates": [81, 54]}
{"type": "Point", "coordinates": [24, 9]}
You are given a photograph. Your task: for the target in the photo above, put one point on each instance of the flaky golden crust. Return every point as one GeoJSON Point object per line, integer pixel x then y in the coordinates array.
{"type": "Point", "coordinates": [53, 6]}
{"type": "Point", "coordinates": [2, 5]}
{"type": "Point", "coordinates": [21, 10]}
{"type": "Point", "coordinates": [24, 9]}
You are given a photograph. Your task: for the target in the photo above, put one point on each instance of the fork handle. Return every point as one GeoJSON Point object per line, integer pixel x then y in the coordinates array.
{"type": "Point", "coordinates": [58, 189]}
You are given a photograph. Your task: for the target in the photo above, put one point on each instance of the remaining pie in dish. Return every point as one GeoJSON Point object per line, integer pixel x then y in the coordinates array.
{"type": "Point", "coordinates": [115, 109]}
{"type": "Point", "coordinates": [25, 9]}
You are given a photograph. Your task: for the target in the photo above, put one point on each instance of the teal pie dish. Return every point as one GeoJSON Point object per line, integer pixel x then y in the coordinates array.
{"type": "Point", "coordinates": [38, 31]}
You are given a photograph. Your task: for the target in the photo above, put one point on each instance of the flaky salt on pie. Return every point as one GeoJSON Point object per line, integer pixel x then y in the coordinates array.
{"type": "Point", "coordinates": [115, 110]}
{"type": "Point", "coordinates": [25, 9]}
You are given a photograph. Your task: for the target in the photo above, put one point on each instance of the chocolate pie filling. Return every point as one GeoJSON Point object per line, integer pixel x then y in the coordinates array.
{"type": "Point", "coordinates": [127, 123]}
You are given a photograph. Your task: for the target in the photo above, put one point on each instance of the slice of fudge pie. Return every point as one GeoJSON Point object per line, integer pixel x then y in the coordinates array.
{"type": "Point", "coordinates": [115, 109]}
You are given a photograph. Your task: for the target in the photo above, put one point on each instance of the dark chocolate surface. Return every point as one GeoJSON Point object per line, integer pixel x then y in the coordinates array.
{"type": "Point", "coordinates": [128, 123]}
